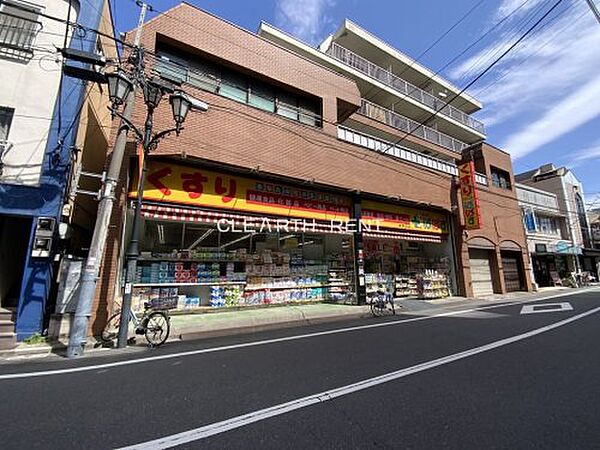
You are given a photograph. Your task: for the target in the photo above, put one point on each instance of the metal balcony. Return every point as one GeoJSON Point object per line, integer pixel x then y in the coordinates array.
{"type": "Point", "coordinates": [17, 34]}
{"type": "Point", "coordinates": [412, 156]}
{"type": "Point", "coordinates": [386, 77]}
{"type": "Point", "coordinates": [407, 125]}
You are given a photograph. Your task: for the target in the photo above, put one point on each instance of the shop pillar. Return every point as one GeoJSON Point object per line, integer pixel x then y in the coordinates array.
{"type": "Point", "coordinates": [359, 267]}
{"type": "Point", "coordinates": [498, 272]}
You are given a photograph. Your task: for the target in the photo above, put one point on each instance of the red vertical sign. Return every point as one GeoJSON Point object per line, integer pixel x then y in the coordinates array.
{"type": "Point", "coordinates": [469, 196]}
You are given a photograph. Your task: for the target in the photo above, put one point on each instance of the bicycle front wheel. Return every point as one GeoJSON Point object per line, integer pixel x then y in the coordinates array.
{"type": "Point", "coordinates": [111, 329]}
{"type": "Point", "coordinates": [376, 308]}
{"type": "Point", "coordinates": [157, 328]}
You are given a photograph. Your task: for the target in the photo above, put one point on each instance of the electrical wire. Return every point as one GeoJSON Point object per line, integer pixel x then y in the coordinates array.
{"type": "Point", "coordinates": [481, 74]}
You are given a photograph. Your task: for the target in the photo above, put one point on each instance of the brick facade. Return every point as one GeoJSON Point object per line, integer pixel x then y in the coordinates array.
{"type": "Point", "coordinates": [243, 139]}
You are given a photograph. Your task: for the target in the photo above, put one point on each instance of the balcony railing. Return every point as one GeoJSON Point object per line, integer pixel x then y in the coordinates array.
{"type": "Point", "coordinates": [17, 34]}
{"type": "Point", "coordinates": [403, 153]}
{"type": "Point", "coordinates": [546, 201]}
{"type": "Point", "coordinates": [407, 125]}
{"type": "Point", "coordinates": [405, 88]}
{"type": "Point", "coordinates": [5, 146]}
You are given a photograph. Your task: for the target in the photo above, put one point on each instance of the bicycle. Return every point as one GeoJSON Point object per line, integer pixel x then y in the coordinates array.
{"type": "Point", "coordinates": [154, 324]}
{"type": "Point", "coordinates": [382, 304]}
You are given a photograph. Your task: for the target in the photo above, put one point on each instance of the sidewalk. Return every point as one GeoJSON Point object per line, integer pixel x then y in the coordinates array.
{"type": "Point", "coordinates": [186, 327]}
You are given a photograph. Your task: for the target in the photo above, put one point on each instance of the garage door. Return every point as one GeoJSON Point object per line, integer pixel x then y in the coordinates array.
{"type": "Point", "coordinates": [512, 273]}
{"type": "Point", "coordinates": [481, 273]}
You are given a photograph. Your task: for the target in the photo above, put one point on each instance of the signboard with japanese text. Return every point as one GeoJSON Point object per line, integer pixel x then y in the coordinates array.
{"type": "Point", "coordinates": [403, 218]}
{"type": "Point", "coordinates": [194, 186]}
{"type": "Point", "coordinates": [469, 196]}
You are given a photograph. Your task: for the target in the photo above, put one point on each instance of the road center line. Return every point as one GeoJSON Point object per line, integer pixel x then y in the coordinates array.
{"type": "Point", "coordinates": [11, 376]}
{"type": "Point", "coordinates": [321, 397]}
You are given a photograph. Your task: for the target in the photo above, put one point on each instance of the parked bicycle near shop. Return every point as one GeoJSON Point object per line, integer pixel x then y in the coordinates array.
{"type": "Point", "coordinates": [154, 324]}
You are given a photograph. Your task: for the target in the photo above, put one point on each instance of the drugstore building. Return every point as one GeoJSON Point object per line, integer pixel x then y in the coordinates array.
{"type": "Point", "coordinates": [302, 135]}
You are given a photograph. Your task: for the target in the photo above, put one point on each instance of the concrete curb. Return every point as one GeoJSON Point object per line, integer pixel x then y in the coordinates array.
{"type": "Point", "coordinates": [231, 331]}
{"type": "Point", "coordinates": [24, 351]}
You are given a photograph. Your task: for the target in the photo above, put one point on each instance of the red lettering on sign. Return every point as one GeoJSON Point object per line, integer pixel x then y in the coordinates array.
{"type": "Point", "coordinates": [192, 183]}
{"type": "Point", "coordinates": [155, 180]}
{"type": "Point", "coordinates": [221, 189]}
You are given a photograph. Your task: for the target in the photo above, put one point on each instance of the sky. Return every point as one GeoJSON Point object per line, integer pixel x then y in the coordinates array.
{"type": "Point", "coordinates": [541, 103]}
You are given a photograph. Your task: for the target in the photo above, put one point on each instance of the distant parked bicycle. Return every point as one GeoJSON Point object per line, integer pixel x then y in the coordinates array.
{"type": "Point", "coordinates": [154, 324]}
{"type": "Point", "coordinates": [382, 303]}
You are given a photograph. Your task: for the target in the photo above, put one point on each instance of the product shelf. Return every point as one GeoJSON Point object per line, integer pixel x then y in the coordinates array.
{"type": "Point", "coordinates": [216, 283]}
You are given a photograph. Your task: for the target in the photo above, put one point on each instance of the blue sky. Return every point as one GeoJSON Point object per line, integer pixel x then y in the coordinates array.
{"type": "Point", "coordinates": [541, 103]}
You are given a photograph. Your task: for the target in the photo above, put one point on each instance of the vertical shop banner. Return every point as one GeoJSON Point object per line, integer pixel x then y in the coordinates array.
{"type": "Point", "coordinates": [194, 186]}
{"type": "Point", "coordinates": [469, 196]}
{"type": "Point", "coordinates": [403, 218]}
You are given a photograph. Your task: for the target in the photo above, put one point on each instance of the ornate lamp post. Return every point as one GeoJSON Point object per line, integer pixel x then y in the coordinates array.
{"type": "Point", "coordinates": [119, 86]}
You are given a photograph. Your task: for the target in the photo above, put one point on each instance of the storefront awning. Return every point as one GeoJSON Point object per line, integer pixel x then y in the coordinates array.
{"type": "Point", "coordinates": [406, 236]}
{"type": "Point", "coordinates": [195, 215]}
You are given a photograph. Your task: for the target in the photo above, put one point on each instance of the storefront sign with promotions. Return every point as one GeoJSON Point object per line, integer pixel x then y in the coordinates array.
{"type": "Point", "coordinates": [469, 196]}
{"type": "Point", "coordinates": [403, 218]}
{"type": "Point", "coordinates": [194, 186]}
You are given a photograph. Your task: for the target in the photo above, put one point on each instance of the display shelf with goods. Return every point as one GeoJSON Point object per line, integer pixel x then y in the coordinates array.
{"type": "Point", "coordinates": [231, 270]}
{"type": "Point", "coordinates": [419, 270]}
{"type": "Point", "coordinates": [406, 285]}
{"type": "Point", "coordinates": [378, 283]}
{"type": "Point", "coordinates": [432, 285]}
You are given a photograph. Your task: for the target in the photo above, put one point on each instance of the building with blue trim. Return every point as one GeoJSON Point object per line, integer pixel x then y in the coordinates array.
{"type": "Point", "coordinates": [46, 122]}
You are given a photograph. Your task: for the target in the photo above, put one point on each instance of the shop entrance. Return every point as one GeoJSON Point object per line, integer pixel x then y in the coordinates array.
{"type": "Point", "coordinates": [14, 242]}
{"type": "Point", "coordinates": [481, 272]}
{"type": "Point", "coordinates": [513, 271]}
{"type": "Point", "coordinates": [405, 268]}
{"type": "Point", "coordinates": [193, 266]}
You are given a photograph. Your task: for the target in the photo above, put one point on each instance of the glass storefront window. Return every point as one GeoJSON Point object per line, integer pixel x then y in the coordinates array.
{"type": "Point", "coordinates": [202, 267]}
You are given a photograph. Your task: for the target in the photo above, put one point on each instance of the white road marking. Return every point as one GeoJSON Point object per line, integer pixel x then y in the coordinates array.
{"type": "Point", "coordinates": [11, 376]}
{"type": "Point", "coordinates": [321, 397]}
{"type": "Point", "coordinates": [546, 307]}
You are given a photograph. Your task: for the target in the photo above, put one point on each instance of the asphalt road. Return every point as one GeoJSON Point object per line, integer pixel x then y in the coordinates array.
{"type": "Point", "coordinates": [533, 381]}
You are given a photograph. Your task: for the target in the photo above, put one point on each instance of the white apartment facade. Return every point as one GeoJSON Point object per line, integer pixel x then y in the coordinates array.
{"type": "Point", "coordinates": [30, 83]}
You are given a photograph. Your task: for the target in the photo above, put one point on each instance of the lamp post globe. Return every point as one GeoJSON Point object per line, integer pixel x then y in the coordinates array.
{"type": "Point", "coordinates": [153, 93]}
{"type": "Point", "coordinates": [180, 105]}
{"type": "Point", "coordinates": [119, 87]}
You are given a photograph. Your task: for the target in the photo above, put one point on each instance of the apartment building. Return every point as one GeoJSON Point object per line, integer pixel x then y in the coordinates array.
{"type": "Point", "coordinates": [548, 235]}
{"type": "Point", "coordinates": [47, 122]}
{"type": "Point", "coordinates": [293, 134]}
{"type": "Point", "coordinates": [594, 220]}
{"type": "Point", "coordinates": [562, 182]}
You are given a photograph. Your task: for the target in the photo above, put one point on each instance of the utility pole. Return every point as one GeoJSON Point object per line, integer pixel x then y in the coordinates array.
{"type": "Point", "coordinates": [91, 269]}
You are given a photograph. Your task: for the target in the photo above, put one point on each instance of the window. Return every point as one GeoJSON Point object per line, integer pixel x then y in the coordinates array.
{"type": "Point", "coordinates": [529, 220]}
{"type": "Point", "coordinates": [172, 68]}
{"type": "Point", "coordinates": [309, 113]}
{"type": "Point", "coordinates": [18, 27]}
{"type": "Point", "coordinates": [262, 96]}
{"type": "Point", "coordinates": [6, 116]}
{"type": "Point", "coordinates": [547, 225]}
{"type": "Point", "coordinates": [287, 106]}
{"type": "Point", "coordinates": [204, 75]}
{"type": "Point", "coordinates": [500, 178]}
{"type": "Point", "coordinates": [209, 76]}
{"type": "Point", "coordinates": [234, 86]}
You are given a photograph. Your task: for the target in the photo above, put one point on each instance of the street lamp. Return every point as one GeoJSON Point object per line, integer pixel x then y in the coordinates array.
{"type": "Point", "coordinates": [180, 105]}
{"type": "Point", "coordinates": [119, 88]}
{"type": "Point", "coordinates": [153, 93]}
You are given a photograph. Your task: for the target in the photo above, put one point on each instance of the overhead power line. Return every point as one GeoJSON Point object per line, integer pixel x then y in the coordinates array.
{"type": "Point", "coordinates": [594, 9]}
{"type": "Point", "coordinates": [478, 77]}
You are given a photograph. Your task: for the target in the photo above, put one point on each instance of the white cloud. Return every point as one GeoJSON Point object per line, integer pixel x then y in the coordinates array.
{"type": "Point", "coordinates": [548, 84]}
{"type": "Point", "coordinates": [508, 6]}
{"type": "Point", "coordinates": [586, 154]}
{"type": "Point", "coordinates": [304, 19]}
{"type": "Point", "coordinates": [566, 115]}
